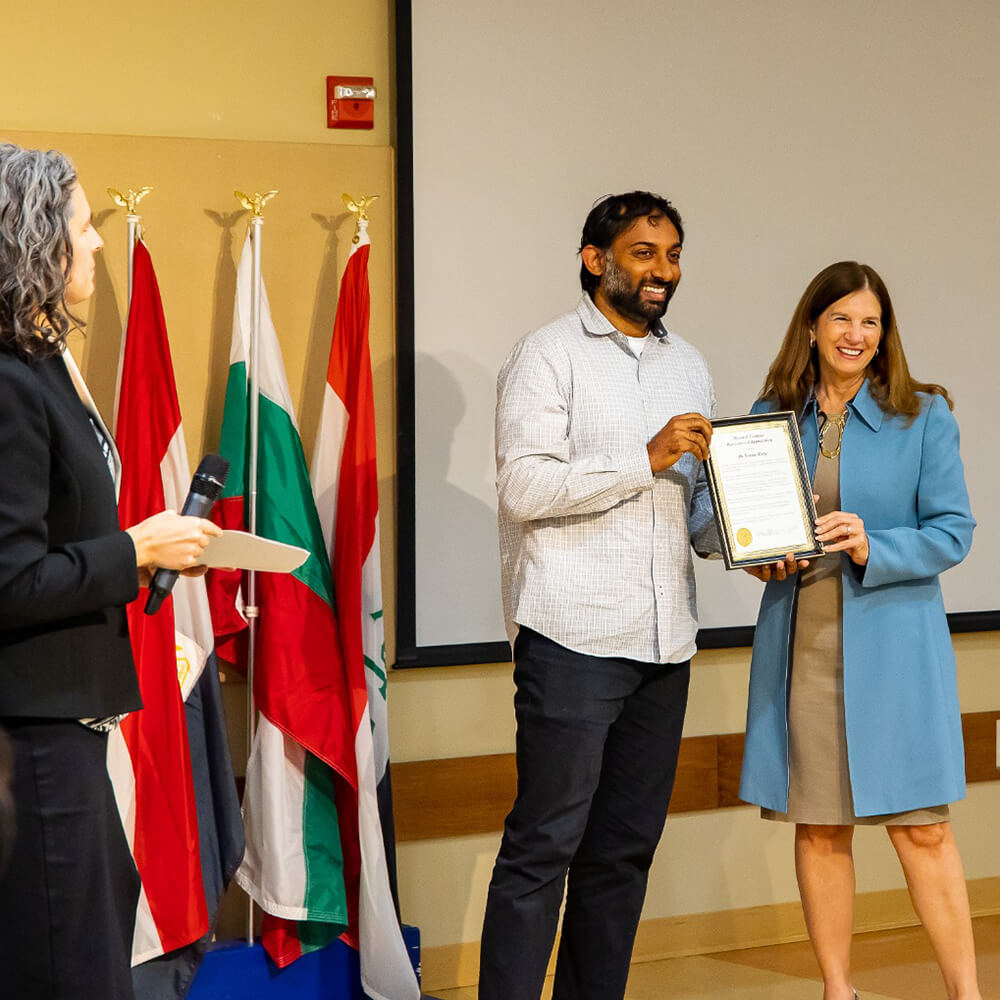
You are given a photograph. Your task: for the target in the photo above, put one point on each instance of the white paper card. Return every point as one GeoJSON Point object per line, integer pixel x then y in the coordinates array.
{"type": "Point", "coordinates": [241, 550]}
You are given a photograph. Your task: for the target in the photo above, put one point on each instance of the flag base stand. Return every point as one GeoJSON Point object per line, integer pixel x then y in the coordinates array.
{"type": "Point", "coordinates": [232, 970]}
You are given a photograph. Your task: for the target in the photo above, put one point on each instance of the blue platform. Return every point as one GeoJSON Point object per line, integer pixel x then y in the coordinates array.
{"type": "Point", "coordinates": [233, 970]}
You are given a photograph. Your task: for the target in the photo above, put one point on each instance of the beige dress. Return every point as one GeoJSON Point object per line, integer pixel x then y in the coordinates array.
{"type": "Point", "coordinates": [819, 790]}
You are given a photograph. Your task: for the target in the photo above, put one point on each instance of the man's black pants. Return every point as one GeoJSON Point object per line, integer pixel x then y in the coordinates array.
{"type": "Point", "coordinates": [597, 743]}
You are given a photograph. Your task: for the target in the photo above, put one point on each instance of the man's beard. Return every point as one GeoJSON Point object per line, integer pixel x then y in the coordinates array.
{"type": "Point", "coordinates": [628, 300]}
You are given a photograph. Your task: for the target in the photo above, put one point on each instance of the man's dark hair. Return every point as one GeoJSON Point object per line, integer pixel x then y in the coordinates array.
{"type": "Point", "coordinates": [612, 215]}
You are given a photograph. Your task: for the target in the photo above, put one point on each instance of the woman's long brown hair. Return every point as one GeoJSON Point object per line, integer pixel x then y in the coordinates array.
{"type": "Point", "coordinates": [795, 370]}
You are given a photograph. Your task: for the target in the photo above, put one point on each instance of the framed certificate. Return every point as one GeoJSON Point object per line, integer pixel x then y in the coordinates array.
{"type": "Point", "coordinates": [760, 490]}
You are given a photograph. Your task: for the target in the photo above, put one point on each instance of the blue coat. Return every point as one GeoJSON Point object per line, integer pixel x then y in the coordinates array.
{"type": "Point", "coordinates": [904, 730]}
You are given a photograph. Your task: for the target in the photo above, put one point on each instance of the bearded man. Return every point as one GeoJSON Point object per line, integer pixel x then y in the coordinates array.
{"type": "Point", "coordinates": [602, 425]}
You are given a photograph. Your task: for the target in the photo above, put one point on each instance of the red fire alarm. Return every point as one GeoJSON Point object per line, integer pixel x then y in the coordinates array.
{"type": "Point", "coordinates": [350, 102]}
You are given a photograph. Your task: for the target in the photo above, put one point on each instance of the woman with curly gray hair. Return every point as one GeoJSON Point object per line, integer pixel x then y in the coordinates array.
{"type": "Point", "coordinates": [67, 570]}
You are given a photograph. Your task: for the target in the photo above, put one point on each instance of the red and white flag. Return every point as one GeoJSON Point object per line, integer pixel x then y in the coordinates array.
{"type": "Point", "coordinates": [345, 484]}
{"type": "Point", "coordinates": [149, 758]}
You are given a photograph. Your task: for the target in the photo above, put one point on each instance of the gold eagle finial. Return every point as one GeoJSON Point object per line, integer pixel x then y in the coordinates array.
{"type": "Point", "coordinates": [130, 199]}
{"type": "Point", "coordinates": [254, 203]}
{"type": "Point", "coordinates": [359, 208]}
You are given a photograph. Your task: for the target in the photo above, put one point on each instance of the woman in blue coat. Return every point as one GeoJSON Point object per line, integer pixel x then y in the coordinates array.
{"type": "Point", "coordinates": [853, 715]}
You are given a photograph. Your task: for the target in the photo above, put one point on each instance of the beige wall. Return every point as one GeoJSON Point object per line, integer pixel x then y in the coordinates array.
{"type": "Point", "coordinates": [248, 71]}
{"type": "Point", "coordinates": [709, 861]}
{"type": "Point", "coordinates": [210, 74]}
{"type": "Point", "coordinates": [195, 230]}
{"type": "Point", "coordinates": [252, 69]}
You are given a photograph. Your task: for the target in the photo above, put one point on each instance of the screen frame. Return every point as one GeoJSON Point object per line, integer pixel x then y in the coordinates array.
{"type": "Point", "coordinates": [408, 653]}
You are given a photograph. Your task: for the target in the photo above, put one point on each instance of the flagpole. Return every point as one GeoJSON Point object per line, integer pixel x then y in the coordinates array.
{"type": "Point", "coordinates": [128, 200]}
{"type": "Point", "coordinates": [252, 611]}
{"type": "Point", "coordinates": [134, 232]}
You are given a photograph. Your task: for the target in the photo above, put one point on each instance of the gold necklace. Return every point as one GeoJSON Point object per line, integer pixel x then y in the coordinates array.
{"type": "Point", "coordinates": [838, 421]}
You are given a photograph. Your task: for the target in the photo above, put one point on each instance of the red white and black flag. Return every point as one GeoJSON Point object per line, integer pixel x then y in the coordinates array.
{"type": "Point", "coordinates": [169, 762]}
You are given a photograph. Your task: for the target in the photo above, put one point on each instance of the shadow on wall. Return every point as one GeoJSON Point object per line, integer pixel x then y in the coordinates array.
{"type": "Point", "coordinates": [221, 330]}
{"type": "Point", "coordinates": [231, 238]}
{"type": "Point", "coordinates": [339, 229]}
{"type": "Point", "coordinates": [102, 337]}
{"type": "Point", "coordinates": [456, 530]}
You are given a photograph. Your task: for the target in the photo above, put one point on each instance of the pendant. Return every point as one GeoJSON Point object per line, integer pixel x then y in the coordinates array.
{"type": "Point", "coordinates": [831, 434]}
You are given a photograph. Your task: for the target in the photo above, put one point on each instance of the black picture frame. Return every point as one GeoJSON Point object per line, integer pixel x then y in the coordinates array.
{"type": "Point", "coordinates": [735, 553]}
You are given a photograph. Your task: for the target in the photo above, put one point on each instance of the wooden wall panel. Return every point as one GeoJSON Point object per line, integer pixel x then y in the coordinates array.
{"type": "Point", "coordinates": [979, 731]}
{"type": "Point", "coordinates": [452, 798]}
{"type": "Point", "coordinates": [730, 762]}
{"type": "Point", "coordinates": [472, 795]}
{"type": "Point", "coordinates": [697, 783]}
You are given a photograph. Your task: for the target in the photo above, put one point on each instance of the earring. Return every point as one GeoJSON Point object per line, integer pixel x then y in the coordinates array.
{"type": "Point", "coordinates": [875, 355]}
{"type": "Point", "coordinates": [812, 341]}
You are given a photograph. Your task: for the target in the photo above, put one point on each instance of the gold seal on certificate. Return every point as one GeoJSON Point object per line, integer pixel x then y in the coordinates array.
{"type": "Point", "coordinates": [760, 490]}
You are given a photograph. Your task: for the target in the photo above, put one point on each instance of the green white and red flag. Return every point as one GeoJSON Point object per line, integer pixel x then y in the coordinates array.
{"type": "Point", "coordinates": [302, 765]}
{"type": "Point", "coordinates": [345, 483]}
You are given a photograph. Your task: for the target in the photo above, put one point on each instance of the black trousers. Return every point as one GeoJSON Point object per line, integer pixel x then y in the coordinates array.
{"type": "Point", "coordinates": [68, 896]}
{"type": "Point", "coordinates": [597, 744]}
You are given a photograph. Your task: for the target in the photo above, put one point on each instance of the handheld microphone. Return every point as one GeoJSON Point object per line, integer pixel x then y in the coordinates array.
{"type": "Point", "coordinates": [206, 486]}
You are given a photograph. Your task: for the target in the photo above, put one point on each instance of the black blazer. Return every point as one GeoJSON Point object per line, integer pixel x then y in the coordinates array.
{"type": "Point", "coordinates": [66, 569]}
